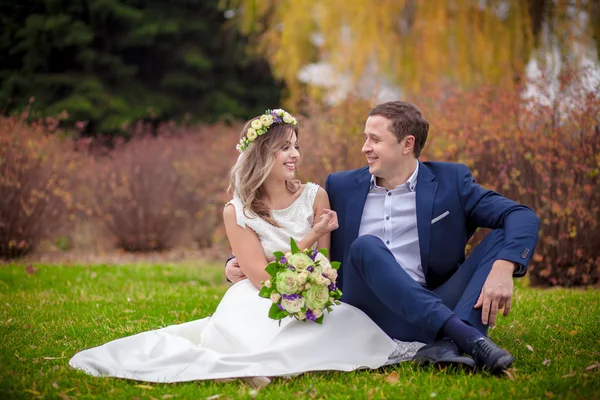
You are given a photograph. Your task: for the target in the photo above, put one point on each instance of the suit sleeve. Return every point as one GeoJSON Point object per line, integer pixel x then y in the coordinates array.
{"type": "Point", "coordinates": [328, 185]}
{"type": "Point", "coordinates": [488, 209]}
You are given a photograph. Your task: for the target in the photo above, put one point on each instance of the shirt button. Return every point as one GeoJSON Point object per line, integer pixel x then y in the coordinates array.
{"type": "Point", "coordinates": [387, 217]}
{"type": "Point", "coordinates": [388, 242]}
{"type": "Point", "coordinates": [389, 193]}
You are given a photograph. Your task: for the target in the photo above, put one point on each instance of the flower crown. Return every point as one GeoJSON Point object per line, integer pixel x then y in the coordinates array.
{"type": "Point", "coordinates": [260, 126]}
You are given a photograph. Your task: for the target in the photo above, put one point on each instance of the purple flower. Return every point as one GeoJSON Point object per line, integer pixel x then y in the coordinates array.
{"type": "Point", "coordinates": [280, 306]}
{"type": "Point", "coordinates": [309, 315]}
{"type": "Point", "coordinates": [292, 296]}
{"type": "Point", "coordinates": [282, 260]}
{"type": "Point", "coordinates": [291, 267]}
{"type": "Point", "coordinates": [324, 276]}
{"type": "Point", "coordinates": [332, 287]}
{"type": "Point", "coordinates": [310, 269]}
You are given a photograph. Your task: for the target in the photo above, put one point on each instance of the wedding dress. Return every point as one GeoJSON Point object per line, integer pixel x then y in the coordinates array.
{"type": "Point", "coordinates": [239, 340]}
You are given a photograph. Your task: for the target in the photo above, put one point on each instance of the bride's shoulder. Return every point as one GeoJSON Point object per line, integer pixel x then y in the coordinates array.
{"type": "Point", "coordinates": [315, 193]}
{"type": "Point", "coordinates": [234, 212]}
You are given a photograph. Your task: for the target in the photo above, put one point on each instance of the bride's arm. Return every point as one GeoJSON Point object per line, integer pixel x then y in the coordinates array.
{"type": "Point", "coordinates": [321, 207]}
{"type": "Point", "coordinates": [247, 248]}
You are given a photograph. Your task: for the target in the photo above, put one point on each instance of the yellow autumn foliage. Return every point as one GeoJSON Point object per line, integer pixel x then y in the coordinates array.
{"type": "Point", "coordinates": [412, 43]}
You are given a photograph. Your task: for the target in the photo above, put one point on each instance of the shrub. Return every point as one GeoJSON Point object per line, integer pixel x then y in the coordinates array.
{"type": "Point", "coordinates": [154, 192]}
{"type": "Point", "coordinates": [34, 183]}
{"type": "Point", "coordinates": [138, 192]}
{"type": "Point", "coordinates": [205, 172]}
{"type": "Point", "coordinates": [332, 138]}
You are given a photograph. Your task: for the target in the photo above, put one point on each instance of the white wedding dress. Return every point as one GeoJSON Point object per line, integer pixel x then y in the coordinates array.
{"type": "Point", "coordinates": [239, 340]}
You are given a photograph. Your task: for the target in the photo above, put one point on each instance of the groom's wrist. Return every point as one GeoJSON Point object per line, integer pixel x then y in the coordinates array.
{"type": "Point", "coordinates": [507, 265]}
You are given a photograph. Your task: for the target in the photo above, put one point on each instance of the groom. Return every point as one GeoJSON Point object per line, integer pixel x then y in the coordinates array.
{"type": "Point", "coordinates": [403, 228]}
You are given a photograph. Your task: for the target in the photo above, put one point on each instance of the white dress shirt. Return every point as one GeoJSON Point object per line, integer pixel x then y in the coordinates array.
{"type": "Point", "coordinates": [391, 215]}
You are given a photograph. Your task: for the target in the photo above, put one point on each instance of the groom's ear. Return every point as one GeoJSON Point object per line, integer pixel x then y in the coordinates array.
{"type": "Point", "coordinates": [408, 145]}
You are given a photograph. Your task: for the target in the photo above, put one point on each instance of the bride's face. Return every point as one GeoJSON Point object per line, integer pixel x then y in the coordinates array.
{"type": "Point", "coordinates": [286, 159]}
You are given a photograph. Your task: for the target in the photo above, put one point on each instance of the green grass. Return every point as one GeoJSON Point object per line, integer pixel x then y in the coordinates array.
{"type": "Point", "coordinates": [48, 316]}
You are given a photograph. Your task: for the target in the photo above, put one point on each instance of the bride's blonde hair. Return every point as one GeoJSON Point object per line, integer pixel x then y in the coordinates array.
{"type": "Point", "coordinates": [255, 164]}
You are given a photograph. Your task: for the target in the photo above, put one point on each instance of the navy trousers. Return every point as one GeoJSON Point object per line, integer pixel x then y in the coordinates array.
{"type": "Point", "coordinates": [403, 308]}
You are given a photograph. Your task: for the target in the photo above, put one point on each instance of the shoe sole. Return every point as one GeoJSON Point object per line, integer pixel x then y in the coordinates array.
{"type": "Point", "coordinates": [466, 364]}
{"type": "Point", "coordinates": [501, 365]}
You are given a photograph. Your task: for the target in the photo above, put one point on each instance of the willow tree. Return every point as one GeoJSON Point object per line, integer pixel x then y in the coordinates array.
{"type": "Point", "coordinates": [410, 42]}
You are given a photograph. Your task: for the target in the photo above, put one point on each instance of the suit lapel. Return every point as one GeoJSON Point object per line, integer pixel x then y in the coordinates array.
{"type": "Point", "coordinates": [357, 196]}
{"type": "Point", "coordinates": [426, 188]}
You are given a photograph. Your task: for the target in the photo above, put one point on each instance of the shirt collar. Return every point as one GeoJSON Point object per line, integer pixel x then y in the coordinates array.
{"type": "Point", "coordinates": [411, 183]}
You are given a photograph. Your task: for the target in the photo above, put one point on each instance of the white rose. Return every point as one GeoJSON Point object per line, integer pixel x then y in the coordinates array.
{"type": "Point", "coordinates": [288, 255]}
{"type": "Point", "coordinates": [323, 261]}
{"type": "Point", "coordinates": [286, 282]}
{"type": "Point", "coordinates": [266, 120]}
{"type": "Point", "coordinates": [321, 280]}
{"type": "Point", "coordinates": [301, 316]}
{"type": "Point", "coordinates": [307, 286]}
{"type": "Point", "coordinates": [302, 276]}
{"type": "Point", "coordinates": [287, 118]}
{"type": "Point", "coordinates": [256, 124]}
{"type": "Point", "coordinates": [275, 297]}
{"type": "Point", "coordinates": [300, 261]}
{"type": "Point", "coordinates": [331, 273]}
{"type": "Point", "coordinates": [293, 306]}
{"type": "Point", "coordinates": [279, 111]}
{"type": "Point", "coordinates": [268, 283]}
{"type": "Point", "coordinates": [317, 313]}
{"type": "Point", "coordinates": [317, 269]}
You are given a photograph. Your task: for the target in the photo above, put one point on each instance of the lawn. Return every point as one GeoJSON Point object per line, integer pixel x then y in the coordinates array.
{"type": "Point", "coordinates": [51, 312]}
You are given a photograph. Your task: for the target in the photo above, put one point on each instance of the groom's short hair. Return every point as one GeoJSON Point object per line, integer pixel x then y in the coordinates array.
{"type": "Point", "coordinates": [405, 119]}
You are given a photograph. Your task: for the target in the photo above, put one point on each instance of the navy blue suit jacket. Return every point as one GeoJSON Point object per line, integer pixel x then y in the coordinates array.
{"type": "Point", "coordinates": [441, 187]}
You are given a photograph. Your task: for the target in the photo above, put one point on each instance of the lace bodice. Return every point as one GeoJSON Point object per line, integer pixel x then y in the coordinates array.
{"type": "Point", "coordinates": [295, 221]}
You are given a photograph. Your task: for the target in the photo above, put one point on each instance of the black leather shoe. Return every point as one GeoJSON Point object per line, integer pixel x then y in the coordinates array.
{"type": "Point", "coordinates": [489, 356]}
{"type": "Point", "coordinates": [443, 353]}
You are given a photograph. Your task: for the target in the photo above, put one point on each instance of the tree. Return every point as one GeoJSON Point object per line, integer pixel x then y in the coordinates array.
{"type": "Point", "coordinates": [112, 62]}
{"type": "Point", "coordinates": [412, 42]}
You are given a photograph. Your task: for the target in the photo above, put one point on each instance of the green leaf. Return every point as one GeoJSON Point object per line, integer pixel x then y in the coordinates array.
{"type": "Point", "coordinates": [265, 292]}
{"type": "Point", "coordinates": [325, 252]}
{"type": "Point", "coordinates": [320, 319]}
{"type": "Point", "coordinates": [276, 314]}
{"type": "Point", "coordinates": [274, 311]}
{"type": "Point", "coordinates": [278, 255]}
{"type": "Point", "coordinates": [336, 264]}
{"type": "Point", "coordinates": [271, 268]}
{"type": "Point", "coordinates": [294, 246]}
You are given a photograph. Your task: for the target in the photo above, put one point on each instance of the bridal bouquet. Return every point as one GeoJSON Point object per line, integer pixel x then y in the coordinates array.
{"type": "Point", "coordinates": [302, 284]}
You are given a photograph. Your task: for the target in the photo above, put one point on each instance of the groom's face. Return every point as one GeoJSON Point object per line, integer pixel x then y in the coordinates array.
{"type": "Point", "coordinates": [381, 147]}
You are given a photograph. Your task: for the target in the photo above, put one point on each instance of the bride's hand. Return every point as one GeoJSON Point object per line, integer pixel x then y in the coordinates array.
{"type": "Point", "coordinates": [327, 223]}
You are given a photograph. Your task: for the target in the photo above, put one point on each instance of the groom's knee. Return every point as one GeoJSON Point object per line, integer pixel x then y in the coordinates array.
{"type": "Point", "coordinates": [363, 245]}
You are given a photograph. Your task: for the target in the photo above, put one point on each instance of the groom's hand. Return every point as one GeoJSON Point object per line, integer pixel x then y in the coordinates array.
{"type": "Point", "coordinates": [233, 272]}
{"type": "Point", "coordinates": [497, 292]}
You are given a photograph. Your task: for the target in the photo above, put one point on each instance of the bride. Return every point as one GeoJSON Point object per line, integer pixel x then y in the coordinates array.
{"type": "Point", "coordinates": [268, 207]}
